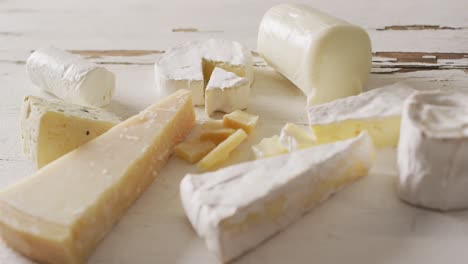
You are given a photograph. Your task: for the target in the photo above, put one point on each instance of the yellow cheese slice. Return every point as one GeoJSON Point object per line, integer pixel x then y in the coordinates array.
{"type": "Point", "coordinates": [59, 214]}
{"type": "Point", "coordinates": [193, 151]}
{"type": "Point", "coordinates": [222, 151]}
{"type": "Point", "coordinates": [240, 119]}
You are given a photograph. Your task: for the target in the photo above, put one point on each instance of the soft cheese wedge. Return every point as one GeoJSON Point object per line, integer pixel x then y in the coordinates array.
{"type": "Point", "coordinates": [433, 151]}
{"type": "Point", "coordinates": [236, 208]}
{"type": "Point", "coordinates": [52, 128]}
{"type": "Point", "coordinates": [269, 147]}
{"type": "Point", "coordinates": [190, 66]}
{"type": "Point", "coordinates": [294, 137]}
{"type": "Point", "coordinates": [70, 77]}
{"type": "Point", "coordinates": [60, 214]}
{"type": "Point", "coordinates": [377, 111]}
{"type": "Point", "coordinates": [327, 58]}
{"type": "Point", "coordinates": [226, 92]}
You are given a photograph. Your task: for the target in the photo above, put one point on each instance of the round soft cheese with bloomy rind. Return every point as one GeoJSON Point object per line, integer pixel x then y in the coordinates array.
{"type": "Point", "coordinates": [190, 66]}
{"type": "Point", "coordinates": [433, 150]}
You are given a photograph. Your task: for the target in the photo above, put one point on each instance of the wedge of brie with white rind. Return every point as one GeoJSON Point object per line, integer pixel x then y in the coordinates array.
{"type": "Point", "coordinates": [70, 77]}
{"type": "Point", "coordinates": [377, 111]}
{"type": "Point", "coordinates": [236, 208]}
{"type": "Point", "coordinates": [433, 151]}
{"type": "Point", "coordinates": [327, 58]}
{"type": "Point", "coordinates": [294, 137]}
{"type": "Point", "coordinates": [190, 66]}
{"type": "Point", "coordinates": [52, 128]}
{"type": "Point", "coordinates": [59, 214]}
{"type": "Point", "coordinates": [226, 92]}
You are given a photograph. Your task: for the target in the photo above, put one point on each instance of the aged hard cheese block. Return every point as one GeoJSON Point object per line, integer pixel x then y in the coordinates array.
{"type": "Point", "coordinates": [433, 150]}
{"type": "Point", "coordinates": [59, 214]}
{"type": "Point", "coordinates": [326, 58]}
{"type": "Point", "coordinates": [190, 66]}
{"type": "Point", "coordinates": [71, 78]}
{"type": "Point", "coordinates": [51, 128]}
{"type": "Point", "coordinates": [236, 208]}
{"type": "Point", "coordinates": [377, 111]}
{"type": "Point", "coordinates": [226, 92]}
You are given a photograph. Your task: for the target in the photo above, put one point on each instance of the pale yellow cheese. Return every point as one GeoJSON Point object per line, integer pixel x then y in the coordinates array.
{"type": "Point", "coordinates": [293, 137]}
{"type": "Point", "coordinates": [268, 147]}
{"type": "Point", "coordinates": [384, 132]}
{"type": "Point", "coordinates": [240, 119]}
{"type": "Point", "coordinates": [212, 124]}
{"type": "Point", "coordinates": [222, 151]}
{"type": "Point", "coordinates": [216, 135]}
{"type": "Point", "coordinates": [59, 214]}
{"type": "Point", "coordinates": [52, 128]}
{"type": "Point", "coordinates": [193, 151]}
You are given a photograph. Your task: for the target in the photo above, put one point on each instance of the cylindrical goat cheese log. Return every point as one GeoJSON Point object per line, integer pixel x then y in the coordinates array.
{"type": "Point", "coordinates": [327, 58]}
{"type": "Point", "coordinates": [433, 151]}
{"type": "Point", "coordinates": [70, 77]}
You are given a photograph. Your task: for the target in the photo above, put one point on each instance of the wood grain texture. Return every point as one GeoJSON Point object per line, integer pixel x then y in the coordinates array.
{"type": "Point", "coordinates": [421, 42]}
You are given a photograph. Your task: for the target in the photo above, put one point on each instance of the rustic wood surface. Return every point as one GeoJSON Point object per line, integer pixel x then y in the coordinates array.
{"type": "Point", "coordinates": [421, 42]}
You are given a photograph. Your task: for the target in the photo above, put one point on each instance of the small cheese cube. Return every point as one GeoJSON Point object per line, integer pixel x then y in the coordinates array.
{"type": "Point", "coordinates": [293, 137]}
{"type": "Point", "coordinates": [240, 119]}
{"type": "Point", "coordinates": [193, 151]}
{"type": "Point", "coordinates": [216, 135]}
{"type": "Point", "coordinates": [268, 147]}
{"type": "Point", "coordinates": [222, 151]}
{"type": "Point", "coordinates": [51, 128]}
{"type": "Point", "coordinates": [212, 124]}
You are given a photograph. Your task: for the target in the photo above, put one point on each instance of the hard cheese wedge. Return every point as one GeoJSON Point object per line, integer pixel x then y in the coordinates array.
{"type": "Point", "coordinates": [377, 111]}
{"type": "Point", "coordinates": [52, 128]}
{"type": "Point", "coordinates": [59, 214]}
{"type": "Point", "coordinates": [236, 208]}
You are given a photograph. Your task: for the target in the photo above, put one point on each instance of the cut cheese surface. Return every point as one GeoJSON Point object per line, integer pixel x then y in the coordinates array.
{"type": "Point", "coordinates": [52, 128]}
{"type": "Point", "coordinates": [70, 78]}
{"type": "Point", "coordinates": [269, 147]}
{"type": "Point", "coordinates": [238, 207]}
{"type": "Point", "coordinates": [219, 154]}
{"type": "Point", "coordinates": [226, 92]}
{"type": "Point", "coordinates": [190, 66]}
{"type": "Point", "coordinates": [241, 120]}
{"type": "Point", "coordinates": [193, 151]}
{"type": "Point", "coordinates": [216, 135]}
{"type": "Point", "coordinates": [327, 58]}
{"type": "Point", "coordinates": [59, 214]}
{"type": "Point", "coordinates": [294, 137]}
{"type": "Point", "coordinates": [433, 151]}
{"type": "Point", "coordinates": [377, 111]}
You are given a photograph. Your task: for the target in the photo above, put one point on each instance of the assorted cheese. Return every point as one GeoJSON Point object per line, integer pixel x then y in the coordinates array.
{"type": "Point", "coordinates": [433, 151]}
{"type": "Point", "coordinates": [222, 151]}
{"type": "Point", "coordinates": [226, 92]}
{"type": "Point", "coordinates": [217, 135]}
{"type": "Point", "coordinates": [241, 120]}
{"type": "Point", "coordinates": [51, 128]}
{"type": "Point", "coordinates": [269, 147]}
{"type": "Point", "coordinates": [190, 66]}
{"type": "Point", "coordinates": [293, 137]}
{"type": "Point", "coordinates": [59, 214]}
{"type": "Point", "coordinates": [327, 58]}
{"type": "Point", "coordinates": [377, 111]}
{"type": "Point", "coordinates": [70, 78]}
{"type": "Point", "coordinates": [236, 208]}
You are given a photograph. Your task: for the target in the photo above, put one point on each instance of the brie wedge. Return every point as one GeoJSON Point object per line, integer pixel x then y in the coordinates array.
{"type": "Point", "coordinates": [433, 150]}
{"type": "Point", "coordinates": [60, 214]}
{"type": "Point", "coordinates": [325, 57]}
{"type": "Point", "coordinates": [190, 66]}
{"type": "Point", "coordinates": [70, 78]}
{"type": "Point", "coordinates": [236, 208]}
{"type": "Point", "coordinates": [377, 111]}
{"type": "Point", "coordinates": [226, 92]}
{"type": "Point", "coordinates": [52, 128]}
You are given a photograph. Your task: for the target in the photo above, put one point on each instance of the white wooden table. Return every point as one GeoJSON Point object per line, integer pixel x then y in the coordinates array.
{"type": "Point", "coordinates": [422, 42]}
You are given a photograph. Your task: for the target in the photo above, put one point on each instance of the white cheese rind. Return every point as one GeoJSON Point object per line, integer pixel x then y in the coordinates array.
{"type": "Point", "coordinates": [284, 187]}
{"type": "Point", "coordinates": [51, 128]}
{"type": "Point", "coordinates": [70, 77]}
{"type": "Point", "coordinates": [378, 103]}
{"type": "Point", "coordinates": [189, 66]}
{"type": "Point", "coordinates": [433, 149]}
{"type": "Point", "coordinates": [226, 92]}
{"type": "Point", "coordinates": [325, 57]}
